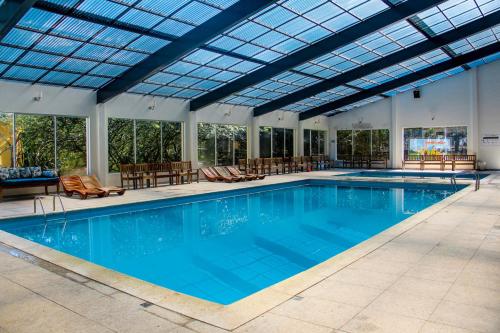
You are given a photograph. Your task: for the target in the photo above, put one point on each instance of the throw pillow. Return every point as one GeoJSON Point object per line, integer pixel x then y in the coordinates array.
{"type": "Point", "coordinates": [24, 173]}
{"type": "Point", "coordinates": [13, 173]}
{"type": "Point", "coordinates": [49, 173]}
{"type": "Point", "coordinates": [4, 173]}
{"type": "Point", "coordinates": [36, 172]}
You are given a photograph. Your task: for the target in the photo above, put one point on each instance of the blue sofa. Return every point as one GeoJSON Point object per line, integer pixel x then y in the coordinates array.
{"type": "Point", "coordinates": [11, 179]}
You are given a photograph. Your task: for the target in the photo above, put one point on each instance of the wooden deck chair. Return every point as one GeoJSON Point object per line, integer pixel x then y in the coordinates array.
{"type": "Point", "coordinates": [224, 173]}
{"type": "Point", "coordinates": [249, 176]}
{"type": "Point", "coordinates": [73, 184]}
{"type": "Point", "coordinates": [91, 182]}
{"type": "Point", "coordinates": [211, 176]}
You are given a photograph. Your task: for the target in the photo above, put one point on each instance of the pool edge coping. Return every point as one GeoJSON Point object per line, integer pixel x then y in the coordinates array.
{"type": "Point", "coordinates": [231, 316]}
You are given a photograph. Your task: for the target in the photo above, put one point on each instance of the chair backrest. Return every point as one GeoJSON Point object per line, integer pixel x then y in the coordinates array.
{"type": "Point", "coordinates": [243, 162]}
{"type": "Point", "coordinates": [72, 183]}
{"type": "Point", "coordinates": [91, 182]}
{"type": "Point", "coordinates": [209, 174]}
{"type": "Point", "coordinates": [233, 171]}
{"type": "Point", "coordinates": [268, 161]}
{"type": "Point", "coordinates": [176, 166]}
{"type": "Point", "coordinates": [222, 171]}
{"type": "Point", "coordinates": [186, 166]}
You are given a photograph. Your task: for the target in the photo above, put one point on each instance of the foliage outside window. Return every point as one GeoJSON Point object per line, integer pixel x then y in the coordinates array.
{"type": "Point", "coordinates": [221, 144]}
{"type": "Point", "coordinates": [142, 141]}
{"type": "Point", "coordinates": [6, 136]}
{"type": "Point", "coordinates": [51, 142]}
{"type": "Point", "coordinates": [435, 141]}
{"type": "Point", "coordinates": [314, 142]}
{"type": "Point", "coordinates": [363, 142]}
{"type": "Point", "coordinates": [276, 142]}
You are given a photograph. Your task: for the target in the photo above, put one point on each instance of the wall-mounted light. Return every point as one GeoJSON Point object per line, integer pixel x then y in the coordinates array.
{"type": "Point", "coordinates": [281, 116]}
{"type": "Point", "coordinates": [38, 97]}
{"type": "Point", "coordinates": [152, 105]}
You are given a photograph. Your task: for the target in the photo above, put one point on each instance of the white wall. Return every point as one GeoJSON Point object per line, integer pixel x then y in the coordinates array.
{"type": "Point", "coordinates": [468, 99]}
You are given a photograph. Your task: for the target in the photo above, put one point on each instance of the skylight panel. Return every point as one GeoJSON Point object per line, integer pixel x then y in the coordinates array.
{"type": "Point", "coordinates": [109, 70]}
{"type": "Point", "coordinates": [144, 88]}
{"type": "Point", "coordinates": [89, 81]}
{"type": "Point", "coordinates": [324, 12]}
{"type": "Point", "coordinates": [340, 22]}
{"type": "Point", "coordinates": [204, 72]}
{"type": "Point", "coordinates": [40, 59]}
{"type": "Point", "coordinates": [22, 38]}
{"type": "Point", "coordinates": [57, 45]}
{"type": "Point", "coordinates": [368, 9]}
{"type": "Point", "coordinates": [103, 8]}
{"type": "Point", "coordinates": [95, 52]}
{"type": "Point", "coordinates": [275, 17]}
{"type": "Point", "coordinates": [174, 28]}
{"type": "Point", "coordinates": [38, 20]}
{"type": "Point", "coordinates": [114, 37]}
{"type": "Point", "coordinates": [188, 93]}
{"type": "Point", "coordinates": [24, 73]}
{"type": "Point", "coordinates": [129, 58]}
{"type": "Point", "coordinates": [162, 78]}
{"type": "Point", "coordinates": [9, 54]}
{"type": "Point", "coordinates": [167, 91]}
{"type": "Point", "coordinates": [196, 13]}
{"type": "Point", "coordinates": [77, 65]}
{"type": "Point", "coordinates": [162, 7]}
{"type": "Point", "coordinates": [141, 18]}
{"type": "Point", "coordinates": [59, 78]}
{"type": "Point", "coordinates": [148, 44]}
{"type": "Point", "coordinates": [76, 29]}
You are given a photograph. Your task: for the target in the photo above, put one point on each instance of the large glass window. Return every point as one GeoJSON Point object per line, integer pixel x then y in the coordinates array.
{"type": "Point", "coordinates": [221, 144]}
{"type": "Point", "coordinates": [6, 136]}
{"type": "Point", "coordinates": [51, 142]}
{"type": "Point", "coordinates": [435, 141]}
{"type": "Point", "coordinates": [35, 141]}
{"type": "Point", "coordinates": [148, 146]}
{"type": "Point", "coordinates": [380, 142]}
{"type": "Point", "coordinates": [71, 145]}
{"type": "Point", "coordinates": [314, 142]}
{"type": "Point", "coordinates": [363, 142]}
{"type": "Point", "coordinates": [344, 142]}
{"type": "Point", "coordinates": [142, 141]}
{"type": "Point", "coordinates": [120, 143]}
{"type": "Point", "coordinates": [276, 142]}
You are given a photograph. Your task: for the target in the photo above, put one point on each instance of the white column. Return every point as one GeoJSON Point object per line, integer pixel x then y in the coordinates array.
{"type": "Point", "coordinates": [98, 143]}
{"type": "Point", "coordinates": [300, 139]}
{"type": "Point", "coordinates": [191, 138]}
{"type": "Point", "coordinates": [396, 135]}
{"type": "Point", "coordinates": [473, 130]}
{"type": "Point", "coordinates": [254, 137]}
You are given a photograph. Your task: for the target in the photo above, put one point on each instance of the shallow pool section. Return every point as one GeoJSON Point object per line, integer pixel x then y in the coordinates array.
{"type": "Point", "coordinates": [225, 246]}
{"type": "Point", "coordinates": [414, 174]}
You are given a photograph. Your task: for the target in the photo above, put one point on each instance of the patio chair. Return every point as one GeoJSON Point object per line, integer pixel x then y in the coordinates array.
{"type": "Point", "coordinates": [249, 176]}
{"type": "Point", "coordinates": [128, 173]}
{"type": "Point", "coordinates": [224, 173]}
{"type": "Point", "coordinates": [211, 176]}
{"type": "Point", "coordinates": [73, 184]}
{"type": "Point", "coordinates": [92, 183]}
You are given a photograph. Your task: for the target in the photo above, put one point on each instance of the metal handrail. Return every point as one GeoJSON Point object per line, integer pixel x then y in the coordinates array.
{"type": "Point", "coordinates": [54, 196]}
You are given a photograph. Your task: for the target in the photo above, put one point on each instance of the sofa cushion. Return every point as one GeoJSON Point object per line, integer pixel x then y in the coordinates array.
{"type": "Point", "coordinates": [4, 174]}
{"type": "Point", "coordinates": [48, 173]}
{"type": "Point", "coordinates": [13, 173]}
{"type": "Point", "coordinates": [24, 172]}
{"type": "Point", "coordinates": [36, 171]}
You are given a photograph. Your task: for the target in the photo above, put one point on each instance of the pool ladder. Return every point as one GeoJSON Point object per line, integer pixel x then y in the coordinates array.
{"type": "Point", "coordinates": [39, 198]}
{"type": "Point", "coordinates": [477, 180]}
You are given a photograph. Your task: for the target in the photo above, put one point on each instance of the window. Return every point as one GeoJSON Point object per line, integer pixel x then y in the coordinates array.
{"type": "Point", "coordinates": [314, 142]}
{"type": "Point", "coordinates": [276, 142]}
{"type": "Point", "coordinates": [51, 142]}
{"type": "Point", "coordinates": [142, 141]}
{"type": "Point", "coordinates": [221, 144]}
{"type": "Point", "coordinates": [148, 143]}
{"type": "Point", "coordinates": [6, 136]}
{"type": "Point", "coordinates": [363, 142]}
{"type": "Point", "coordinates": [435, 140]}
{"type": "Point", "coordinates": [120, 143]}
{"type": "Point", "coordinates": [344, 143]}
{"type": "Point", "coordinates": [71, 145]}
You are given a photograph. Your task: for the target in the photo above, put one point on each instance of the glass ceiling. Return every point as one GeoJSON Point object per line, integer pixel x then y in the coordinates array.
{"type": "Point", "coordinates": [60, 50]}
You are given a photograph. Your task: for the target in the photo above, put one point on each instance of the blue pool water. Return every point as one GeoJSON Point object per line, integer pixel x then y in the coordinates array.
{"type": "Point", "coordinates": [412, 174]}
{"type": "Point", "coordinates": [225, 246]}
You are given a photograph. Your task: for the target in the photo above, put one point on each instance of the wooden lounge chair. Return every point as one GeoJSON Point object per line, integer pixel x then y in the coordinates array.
{"type": "Point", "coordinates": [73, 184]}
{"type": "Point", "coordinates": [211, 176]}
{"type": "Point", "coordinates": [249, 176]}
{"type": "Point", "coordinates": [224, 173]}
{"type": "Point", "coordinates": [91, 182]}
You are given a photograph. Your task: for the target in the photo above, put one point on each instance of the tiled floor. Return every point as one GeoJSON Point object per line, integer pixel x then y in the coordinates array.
{"type": "Point", "coordinates": [443, 275]}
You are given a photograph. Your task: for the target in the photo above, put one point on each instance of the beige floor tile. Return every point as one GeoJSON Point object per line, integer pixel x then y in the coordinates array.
{"type": "Point", "coordinates": [434, 272]}
{"type": "Point", "coordinates": [430, 327]}
{"type": "Point", "coordinates": [405, 304]}
{"type": "Point", "coordinates": [365, 278]}
{"type": "Point", "coordinates": [272, 323]}
{"type": "Point", "coordinates": [370, 321]}
{"type": "Point", "coordinates": [317, 311]}
{"type": "Point", "coordinates": [201, 327]}
{"type": "Point", "coordinates": [342, 292]}
{"type": "Point", "coordinates": [381, 265]}
{"type": "Point", "coordinates": [467, 294]}
{"type": "Point", "coordinates": [467, 316]}
{"type": "Point", "coordinates": [429, 288]}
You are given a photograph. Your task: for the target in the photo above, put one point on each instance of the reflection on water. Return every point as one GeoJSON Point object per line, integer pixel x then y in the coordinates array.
{"type": "Point", "coordinates": [225, 249]}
